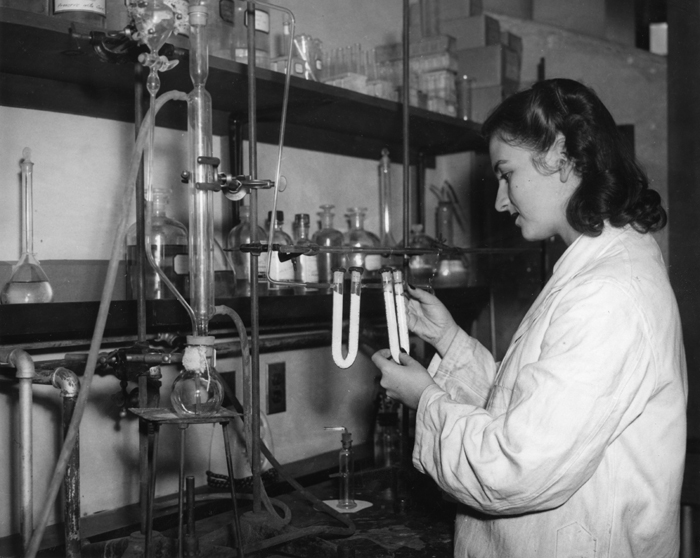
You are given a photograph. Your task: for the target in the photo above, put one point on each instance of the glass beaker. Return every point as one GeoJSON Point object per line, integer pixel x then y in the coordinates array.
{"type": "Point", "coordinates": [279, 270]}
{"type": "Point", "coordinates": [423, 267]}
{"type": "Point", "coordinates": [451, 269]}
{"type": "Point", "coordinates": [306, 270]}
{"type": "Point", "coordinates": [28, 282]}
{"type": "Point", "coordinates": [239, 235]}
{"type": "Point", "coordinates": [169, 248]}
{"type": "Point", "coordinates": [328, 236]}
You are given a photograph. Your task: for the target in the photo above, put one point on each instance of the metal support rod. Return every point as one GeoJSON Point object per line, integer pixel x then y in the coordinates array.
{"type": "Point", "coordinates": [180, 488]}
{"type": "Point", "coordinates": [405, 114]}
{"type": "Point", "coordinates": [153, 429]}
{"type": "Point", "coordinates": [71, 482]}
{"type": "Point", "coordinates": [255, 326]}
{"type": "Point", "coordinates": [229, 466]}
{"type": "Point", "coordinates": [22, 361]}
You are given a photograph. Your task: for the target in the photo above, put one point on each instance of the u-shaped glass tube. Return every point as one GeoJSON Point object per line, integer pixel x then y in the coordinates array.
{"type": "Point", "coordinates": [354, 330]}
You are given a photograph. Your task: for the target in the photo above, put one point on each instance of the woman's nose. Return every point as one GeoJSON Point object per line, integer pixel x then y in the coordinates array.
{"type": "Point", "coordinates": [502, 199]}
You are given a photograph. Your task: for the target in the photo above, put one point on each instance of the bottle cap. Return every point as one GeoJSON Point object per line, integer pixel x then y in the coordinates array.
{"type": "Point", "coordinates": [279, 218]}
{"type": "Point", "coordinates": [302, 219]}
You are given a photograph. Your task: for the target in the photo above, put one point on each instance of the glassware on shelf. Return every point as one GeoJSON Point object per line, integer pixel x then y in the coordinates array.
{"type": "Point", "coordinates": [452, 271]}
{"type": "Point", "coordinates": [239, 235]}
{"type": "Point", "coordinates": [239, 19]}
{"type": "Point", "coordinates": [28, 282]}
{"type": "Point", "coordinates": [306, 269]}
{"type": "Point", "coordinates": [386, 239]}
{"type": "Point", "coordinates": [423, 267]}
{"type": "Point", "coordinates": [279, 270]}
{"type": "Point", "coordinates": [357, 236]}
{"type": "Point", "coordinates": [169, 248]}
{"type": "Point", "coordinates": [329, 237]}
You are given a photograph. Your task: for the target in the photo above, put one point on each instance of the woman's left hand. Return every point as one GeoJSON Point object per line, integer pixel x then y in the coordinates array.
{"type": "Point", "coordinates": [403, 382]}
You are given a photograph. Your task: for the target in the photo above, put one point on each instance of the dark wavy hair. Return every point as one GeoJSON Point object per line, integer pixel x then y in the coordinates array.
{"type": "Point", "coordinates": [613, 185]}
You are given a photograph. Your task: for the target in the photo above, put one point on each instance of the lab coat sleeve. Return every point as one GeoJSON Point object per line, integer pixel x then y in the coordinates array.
{"type": "Point", "coordinates": [466, 372]}
{"type": "Point", "coordinates": [592, 378]}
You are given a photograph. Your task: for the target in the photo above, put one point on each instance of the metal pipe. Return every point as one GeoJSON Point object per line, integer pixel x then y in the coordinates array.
{"type": "Point", "coordinates": [68, 383]}
{"type": "Point", "coordinates": [22, 361]}
{"type": "Point", "coordinates": [254, 384]}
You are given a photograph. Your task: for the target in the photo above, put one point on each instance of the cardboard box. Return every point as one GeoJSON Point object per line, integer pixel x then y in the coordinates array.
{"type": "Point", "coordinates": [472, 32]}
{"type": "Point", "coordinates": [490, 65]}
{"type": "Point", "coordinates": [453, 9]}
{"type": "Point", "coordinates": [485, 99]}
{"type": "Point", "coordinates": [512, 41]}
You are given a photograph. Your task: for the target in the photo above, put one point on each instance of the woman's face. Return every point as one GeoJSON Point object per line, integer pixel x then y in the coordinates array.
{"type": "Point", "coordinates": [536, 198]}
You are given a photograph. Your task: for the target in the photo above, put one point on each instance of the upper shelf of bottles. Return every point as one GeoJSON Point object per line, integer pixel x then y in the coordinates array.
{"type": "Point", "coordinates": [39, 74]}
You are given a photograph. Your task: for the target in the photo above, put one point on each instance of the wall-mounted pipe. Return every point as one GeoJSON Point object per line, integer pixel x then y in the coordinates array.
{"type": "Point", "coordinates": [22, 361]}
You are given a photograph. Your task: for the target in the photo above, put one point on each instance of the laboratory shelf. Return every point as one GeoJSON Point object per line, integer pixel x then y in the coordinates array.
{"type": "Point", "coordinates": [42, 67]}
{"type": "Point", "coordinates": [52, 326]}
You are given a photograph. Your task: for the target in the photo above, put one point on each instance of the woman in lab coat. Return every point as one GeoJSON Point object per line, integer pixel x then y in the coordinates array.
{"type": "Point", "coordinates": [574, 444]}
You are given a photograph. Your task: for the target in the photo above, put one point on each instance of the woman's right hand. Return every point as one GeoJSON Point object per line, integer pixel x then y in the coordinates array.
{"type": "Point", "coordinates": [430, 320]}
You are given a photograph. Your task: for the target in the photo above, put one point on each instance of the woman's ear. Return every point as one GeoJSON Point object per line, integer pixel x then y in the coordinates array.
{"type": "Point", "coordinates": [561, 159]}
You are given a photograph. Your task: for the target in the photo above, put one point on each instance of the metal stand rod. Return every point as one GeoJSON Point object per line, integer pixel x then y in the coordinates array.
{"type": "Point", "coordinates": [153, 430]}
{"type": "Point", "coordinates": [229, 465]}
{"type": "Point", "coordinates": [180, 500]}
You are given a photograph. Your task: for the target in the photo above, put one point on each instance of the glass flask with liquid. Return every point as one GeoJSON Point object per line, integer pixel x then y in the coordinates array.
{"type": "Point", "coordinates": [28, 282]}
{"type": "Point", "coordinates": [357, 236]}
{"type": "Point", "coordinates": [452, 271]}
{"type": "Point", "coordinates": [279, 270]}
{"type": "Point", "coordinates": [169, 249]}
{"type": "Point", "coordinates": [306, 269]}
{"type": "Point", "coordinates": [239, 235]}
{"type": "Point", "coordinates": [197, 391]}
{"type": "Point", "coordinates": [328, 236]}
{"type": "Point", "coordinates": [423, 267]}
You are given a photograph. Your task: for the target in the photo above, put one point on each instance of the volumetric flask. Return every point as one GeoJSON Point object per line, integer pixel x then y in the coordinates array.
{"type": "Point", "coordinates": [28, 282]}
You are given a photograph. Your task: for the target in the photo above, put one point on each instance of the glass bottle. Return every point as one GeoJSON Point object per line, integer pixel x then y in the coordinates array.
{"type": "Point", "coordinates": [169, 248]}
{"type": "Point", "coordinates": [345, 469]}
{"type": "Point", "coordinates": [91, 12]}
{"type": "Point", "coordinates": [451, 269]}
{"type": "Point", "coordinates": [240, 24]}
{"type": "Point", "coordinates": [357, 236]}
{"type": "Point", "coordinates": [328, 236]}
{"type": "Point", "coordinates": [306, 269]}
{"type": "Point", "coordinates": [422, 267]}
{"type": "Point", "coordinates": [28, 282]}
{"type": "Point", "coordinates": [242, 234]}
{"type": "Point", "coordinates": [279, 270]}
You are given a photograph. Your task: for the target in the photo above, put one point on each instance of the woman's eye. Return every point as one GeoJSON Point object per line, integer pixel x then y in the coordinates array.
{"type": "Point", "coordinates": [506, 177]}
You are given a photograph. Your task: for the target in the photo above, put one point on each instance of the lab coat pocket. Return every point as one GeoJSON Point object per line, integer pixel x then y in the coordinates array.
{"type": "Point", "coordinates": [574, 541]}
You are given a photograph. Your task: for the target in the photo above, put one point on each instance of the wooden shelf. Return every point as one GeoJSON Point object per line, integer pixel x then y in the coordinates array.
{"type": "Point", "coordinates": [37, 73]}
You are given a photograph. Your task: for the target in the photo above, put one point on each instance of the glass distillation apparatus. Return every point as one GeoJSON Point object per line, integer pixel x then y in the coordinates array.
{"type": "Point", "coordinates": [28, 282]}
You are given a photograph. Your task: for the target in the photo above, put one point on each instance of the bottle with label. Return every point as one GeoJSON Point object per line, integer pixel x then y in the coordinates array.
{"type": "Point", "coordinates": [235, 12]}
{"type": "Point", "coordinates": [328, 236]}
{"type": "Point", "coordinates": [169, 248]}
{"type": "Point", "coordinates": [279, 270]}
{"type": "Point", "coordinates": [242, 234]}
{"type": "Point", "coordinates": [306, 270]}
{"type": "Point", "coordinates": [89, 12]}
{"type": "Point", "coordinates": [357, 236]}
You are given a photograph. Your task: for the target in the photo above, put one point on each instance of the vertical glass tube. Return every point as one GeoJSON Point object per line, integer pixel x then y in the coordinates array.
{"type": "Point", "coordinates": [199, 129]}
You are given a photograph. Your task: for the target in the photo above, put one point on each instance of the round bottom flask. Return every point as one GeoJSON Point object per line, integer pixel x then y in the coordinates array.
{"type": "Point", "coordinates": [196, 394]}
{"type": "Point", "coordinates": [197, 391]}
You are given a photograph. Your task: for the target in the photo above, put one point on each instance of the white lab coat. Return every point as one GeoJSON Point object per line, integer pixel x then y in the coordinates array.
{"type": "Point", "coordinates": [574, 446]}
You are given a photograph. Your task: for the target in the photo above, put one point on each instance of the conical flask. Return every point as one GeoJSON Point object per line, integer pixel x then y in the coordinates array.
{"type": "Point", "coordinates": [28, 282]}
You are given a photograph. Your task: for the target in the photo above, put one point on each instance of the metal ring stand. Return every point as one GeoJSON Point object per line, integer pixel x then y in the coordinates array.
{"type": "Point", "coordinates": [154, 418]}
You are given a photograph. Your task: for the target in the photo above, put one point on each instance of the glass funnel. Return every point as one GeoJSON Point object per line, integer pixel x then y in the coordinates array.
{"type": "Point", "coordinates": [28, 282]}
